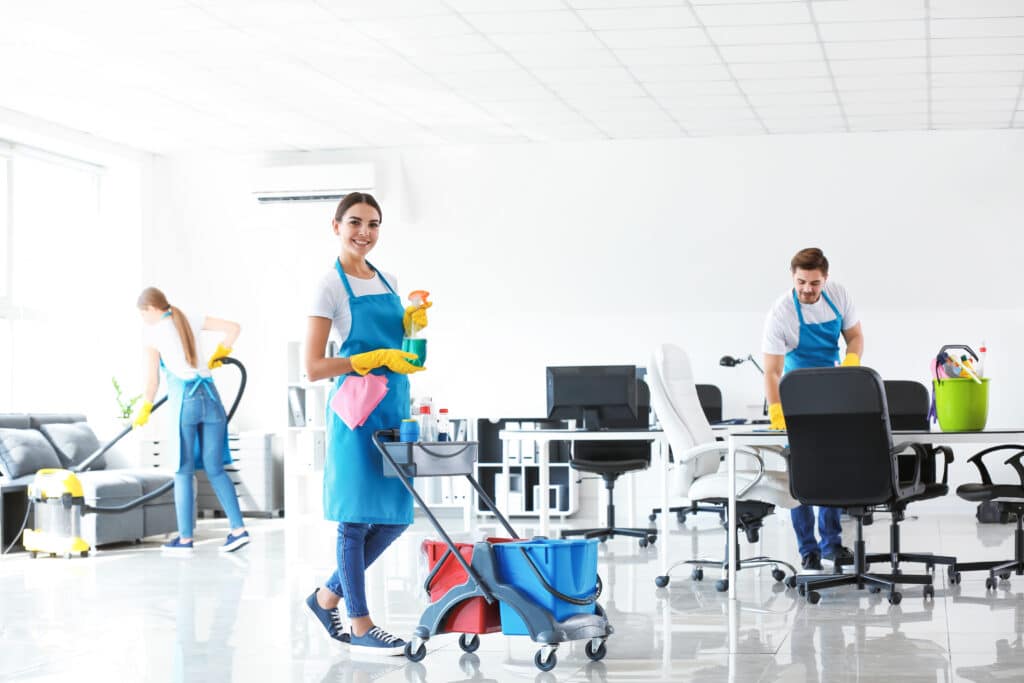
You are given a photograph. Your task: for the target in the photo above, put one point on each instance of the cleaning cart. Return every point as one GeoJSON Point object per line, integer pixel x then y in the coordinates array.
{"type": "Point", "coordinates": [522, 587]}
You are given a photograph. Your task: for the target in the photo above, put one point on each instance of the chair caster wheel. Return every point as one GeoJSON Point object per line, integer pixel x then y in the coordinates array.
{"type": "Point", "coordinates": [660, 581]}
{"type": "Point", "coordinates": [990, 583]}
{"type": "Point", "coordinates": [813, 597]}
{"type": "Point", "coordinates": [651, 517]}
{"type": "Point", "coordinates": [791, 581]}
{"type": "Point", "coordinates": [1005, 576]}
{"type": "Point", "coordinates": [697, 574]}
{"type": "Point", "coordinates": [801, 589]}
{"type": "Point", "coordinates": [642, 542]}
{"type": "Point", "coordinates": [722, 585]}
{"type": "Point", "coordinates": [929, 592]}
{"type": "Point", "coordinates": [953, 575]}
{"type": "Point", "coordinates": [681, 517]}
{"type": "Point", "coordinates": [651, 538]}
{"type": "Point", "coordinates": [895, 597]}
{"type": "Point", "coordinates": [874, 589]}
{"type": "Point", "coordinates": [778, 574]}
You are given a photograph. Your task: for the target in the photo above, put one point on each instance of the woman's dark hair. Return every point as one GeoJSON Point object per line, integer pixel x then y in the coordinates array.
{"type": "Point", "coordinates": [353, 198]}
{"type": "Point", "coordinates": [811, 258]}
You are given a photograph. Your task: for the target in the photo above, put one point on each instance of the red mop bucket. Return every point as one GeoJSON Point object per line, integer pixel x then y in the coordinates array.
{"type": "Point", "coordinates": [473, 615]}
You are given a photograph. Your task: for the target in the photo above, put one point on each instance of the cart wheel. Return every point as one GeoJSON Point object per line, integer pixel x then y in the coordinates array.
{"type": "Point", "coordinates": [778, 574]}
{"type": "Point", "coordinates": [545, 664]}
{"type": "Point", "coordinates": [471, 644]}
{"type": "Point", "coordinates": [416, 656]}
{"type": "Point", "coordinates": [599, 653]}
{"type": "Point", "coordinates": [660, 581]}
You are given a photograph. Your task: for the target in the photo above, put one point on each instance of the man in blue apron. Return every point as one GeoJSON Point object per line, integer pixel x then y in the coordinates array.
{"type": "Point", "coordinates": [802, 331]}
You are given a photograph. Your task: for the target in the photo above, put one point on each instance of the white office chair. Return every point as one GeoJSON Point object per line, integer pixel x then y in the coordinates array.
{"type": "Point", "coordinates": [698, 457]}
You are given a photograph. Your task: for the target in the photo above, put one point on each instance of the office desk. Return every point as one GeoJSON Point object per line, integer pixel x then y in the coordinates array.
{"type": "Point", "coordinates": [546, 436]}
{"type": "Point", "coordinates": [763, 437]}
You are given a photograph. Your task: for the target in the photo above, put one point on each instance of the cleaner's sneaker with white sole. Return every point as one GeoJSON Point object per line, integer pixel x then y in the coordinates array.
{"type": "Point", "coordinates": [235, 542]}
{"type": "Point", "coordinates": [377, 642]}
{"type": "Point", "coordinates": [330, 618]}
{"type": "Point", "coordinates": [176, 547]}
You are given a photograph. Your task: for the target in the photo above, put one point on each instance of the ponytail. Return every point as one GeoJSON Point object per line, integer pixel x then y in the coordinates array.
{"type": "Point", "coordinates": [151, 296]}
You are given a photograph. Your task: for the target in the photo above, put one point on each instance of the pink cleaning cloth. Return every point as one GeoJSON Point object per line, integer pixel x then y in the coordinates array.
{"type": "Point", "coordinates": [357, 397]}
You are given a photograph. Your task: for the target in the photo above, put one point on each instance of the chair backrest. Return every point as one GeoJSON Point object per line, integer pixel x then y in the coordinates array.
{"type": "Point", "coordinates": [675, 402]}
{"type": "Point", "coordinates": [837, 422]}
{"type": "Point", "coordinates": [607, 453]}
{"type": "Point", "coordinates": [908, 403]}
{"type": "Point", "coordinates": [710, 398]}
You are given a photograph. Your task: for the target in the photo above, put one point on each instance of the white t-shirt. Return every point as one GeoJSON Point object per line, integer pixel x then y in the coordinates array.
{"type": "Point", "coordinates": [164, 337]}
{"type": "Point", "coordinates": [331, 298]}
{"type": "Point", "coordinates": [782, 326]}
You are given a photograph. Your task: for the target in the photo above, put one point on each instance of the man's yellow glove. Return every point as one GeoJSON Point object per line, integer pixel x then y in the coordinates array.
{"type": "Point", "coordinates": [775, 416]}
{"type": "Point", "coordinates": [393, 359]}
{"type": "Point", "coordinates": [143, 415]}
{"type": "Point", "coordinates": [215, 359]}
{"type": "Point", "coordinates": [850, 359]}
{"type": "Point", "coordinates": [415, 317]}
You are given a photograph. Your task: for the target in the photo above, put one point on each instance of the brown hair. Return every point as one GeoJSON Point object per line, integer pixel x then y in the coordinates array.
{"type": "Point", "coordinates": [811, 258]}
{"type": "Point", "coordinates": [151, 296]}
{"type": "Point", "coordinates": [353, 198]}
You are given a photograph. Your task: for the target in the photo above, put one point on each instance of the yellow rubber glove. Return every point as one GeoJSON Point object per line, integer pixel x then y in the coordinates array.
{"type": "Point", "coordinates": [142, 417]}
{"type": "Point", "coordinates": [778, 421]}
{"type": "Point", "coordinates": [851, 359]}
{"type": "Point", "coordinates": [415, 316]}
{"type": "Point", "coordinates": [215, 359]}
{"type": "Point", "coordinates": [393, 359]}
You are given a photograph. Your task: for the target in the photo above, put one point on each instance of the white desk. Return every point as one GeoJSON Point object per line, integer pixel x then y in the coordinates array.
{"type": "Point", "coordinates": [766, 437]}
{"type": "Point", "coordinates": [546, 436]}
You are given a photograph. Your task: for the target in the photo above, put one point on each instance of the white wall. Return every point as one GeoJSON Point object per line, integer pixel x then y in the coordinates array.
{"type": "Point", "coordinates": [594, 252]}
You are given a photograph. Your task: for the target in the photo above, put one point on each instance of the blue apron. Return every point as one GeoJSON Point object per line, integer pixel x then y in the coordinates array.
{"type": "Point", "coordinates": [818, 343]}
{"type": "Point", "coordinates": [178, 390]}
{"type": "Point", "coordinates": [355, 488]}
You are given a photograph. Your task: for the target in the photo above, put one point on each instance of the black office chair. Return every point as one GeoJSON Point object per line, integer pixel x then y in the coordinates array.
{"type": "Point", "coordinates": [710, 398]}
{"type": "Point", "coordinates": [908, 409]}
{"type": "Point", "coordinates": [611, 459]}
{"type": "Point", "coordinates": [842, 455]}
{"type": "Point", "coordinates": [1010, 500]}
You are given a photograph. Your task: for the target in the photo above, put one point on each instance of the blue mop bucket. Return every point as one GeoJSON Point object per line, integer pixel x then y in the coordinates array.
{"type": "Point", "coordinates": [560, 575]}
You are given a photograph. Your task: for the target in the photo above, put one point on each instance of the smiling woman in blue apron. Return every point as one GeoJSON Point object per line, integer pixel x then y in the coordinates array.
{"type": "Point", "coordinates": [802, 331]}
{"type": "Point", "coordinates": [363, 308]}
{"type": "Point", "coordinates": [198, 434]}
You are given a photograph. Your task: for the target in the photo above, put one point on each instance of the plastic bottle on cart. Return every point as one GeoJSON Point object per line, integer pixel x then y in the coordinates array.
{"type": "Point", "coordinates": [409, 431]}
{"type": "Point", "coordinates": [982, 351]}
{"type": "Point", "coordinates": [428, 427]}
{"type": "Point", "coordinates": [444, 426]}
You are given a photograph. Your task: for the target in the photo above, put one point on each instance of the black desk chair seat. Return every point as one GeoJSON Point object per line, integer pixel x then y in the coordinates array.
{"type": "Point", "coordinates": [611, 459]}
{"type": "Point", "coordinates": [1010, 500]}
{"type": "Point", "coordinates": [842, 455]}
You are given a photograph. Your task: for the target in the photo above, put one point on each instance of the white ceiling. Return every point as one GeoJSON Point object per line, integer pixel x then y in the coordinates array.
{"type": "Point", "coordinates": [256, 75]}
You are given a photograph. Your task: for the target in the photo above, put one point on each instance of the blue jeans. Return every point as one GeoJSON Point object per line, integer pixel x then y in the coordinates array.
{"type": "Point", "coordinates": [203, 414]}
{"type": "Point", "coordinates": [358, 546]}
{"type": "Point", "coordinates": [828, 527]}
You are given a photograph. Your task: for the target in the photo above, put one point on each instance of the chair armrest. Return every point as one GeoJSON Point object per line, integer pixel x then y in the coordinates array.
{"type": "Point", "coordinates": [914, 486]}
{"type": "Point", "coordinates": [947, 455]}
{"type": "Point", "coordinates": [1014, 462]}
{"type": "Point", "coordinates": [977, 460]}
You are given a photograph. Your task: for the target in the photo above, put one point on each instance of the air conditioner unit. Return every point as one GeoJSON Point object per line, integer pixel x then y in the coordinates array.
{"type": "Point", "coordinates": [311, 183]}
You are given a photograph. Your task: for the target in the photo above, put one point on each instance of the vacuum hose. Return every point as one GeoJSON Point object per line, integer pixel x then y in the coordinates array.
{"type": "Point", "coordinates": [163, 488]}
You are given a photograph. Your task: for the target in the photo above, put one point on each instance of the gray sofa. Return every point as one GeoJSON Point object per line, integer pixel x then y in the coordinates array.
{"type": "Point", "coordinates": [29, 442]}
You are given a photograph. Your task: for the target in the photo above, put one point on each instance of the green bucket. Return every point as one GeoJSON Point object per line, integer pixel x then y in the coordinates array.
{"type": "Point", "coordinates": [961, 404]}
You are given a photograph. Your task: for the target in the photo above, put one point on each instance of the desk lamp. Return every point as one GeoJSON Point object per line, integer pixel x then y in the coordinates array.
{"type": "Point", "coordinates": [731, 362]}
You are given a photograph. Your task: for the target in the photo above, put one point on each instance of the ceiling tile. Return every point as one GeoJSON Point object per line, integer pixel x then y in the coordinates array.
{"type": "Point", "coordinates": [659, 37]}
{"type": "Point", "coordinates": [523, 42]}
{"type": "Point", "coordinates": [785, 111]}
{"type": "Point", "coordinates": [771, 53]}
{"type": "Point", "coordinates": [471, 79]}
{"type": "Point", "coordinates": [976, 79]}
{"type": "Point", "coordinates": [487, 61]}
{"type": "Point", "coordinates": [867, 124]}
{"type": "Point", "coordinates": [992, 117]}
{"type": "Point", "coordinates": [948, 47]}
{"type": "Point", "coordinates": [872, 30]}
{"type": "Point", "coordinates": [748, 14]}
{"type": "Point", "coordinates": [709, 116]}
{"type": "Point", "coordinates": [542, 132]}
{"type": "Point", "coordinates": [619, 104]}
{"type": "Point", "coordinates": [478, 6]}
{"type": "Point", "coordinates": [681, 88]}
{"type": "Point", "coordinates": [873, 67]}
{"type": "Point", "coordinates": [882, 82]}
{"type": "Point", "coordinates": [876, 96]}
{"type": "Point", "coordinates": [526, 22]}
{"type": "Point", "coordinates": [467, 44]}
{"type": "Point", "coordinates": [868, 10]}
{"type": "Point", "coordinates": [678, 104]}
{"type": "Point", "coordinates": [760, 100]}
{"type": "Point", "coordinates": [975, 8]}
{"type": "Point", "coordinates": [680, 72]}
{"type": "Point", "coordinates": [649, 56]}
{"type": "Point", "coordinates": [384, 9]}
{"type": "Point", "coordinates": [864, 109]}
{"type": "Point", "coordinates": [553, 57]}
{"type": "Point", "coordinates": [592, 4]}
{"type": "Point", "coordinates": [784, 85]}
{"type": "Point", "coordinates": [978, 28]}
{"type": "Point", "coordinates": [991, 93]}
{"type": "Point", "coordinates": [809, 69]}
{"type": "Point", "coordinates": [584, 76]}
{"type": "Point", "coordinates": [877, 49]}
{"type": "Point", "coordinates": [763, 35]}
{"type": "Point", "coordinates": [571, 91]}
{"type": "Point", "coordinates": [978, 63]}
{"type": "Point", "coordinates": [637, 18]}
{"type": "Point", "coordinates": [248, 14]}
{"type": "Point", "coordinates": [806, 125]}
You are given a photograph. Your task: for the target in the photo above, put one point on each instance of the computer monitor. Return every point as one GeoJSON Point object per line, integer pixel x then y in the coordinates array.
{"type": "Point", "coordinates": [596, 396]}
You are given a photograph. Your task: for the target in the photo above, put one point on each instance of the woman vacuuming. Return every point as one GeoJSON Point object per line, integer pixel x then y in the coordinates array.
{"type": "Point", "coordinates": [361, 304]}
{"type": "Point", "coordinates": [198, 434]}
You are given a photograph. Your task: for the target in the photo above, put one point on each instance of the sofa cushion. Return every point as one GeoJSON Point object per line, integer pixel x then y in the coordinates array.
{"type": "Point", "coordinates": [109, 487]}
{"type": "Point", "coordinates": [37, 420]}
{"type": "Point", "coordinates": [23, 451]}
{"type": "Point", "coordinates": [74, 443]}
{"type": "Point", "coordinates": [14, 421]}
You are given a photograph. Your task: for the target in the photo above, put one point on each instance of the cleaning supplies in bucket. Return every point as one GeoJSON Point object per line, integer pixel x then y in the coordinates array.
{"type": "Point", "coordinates": [959, 393]}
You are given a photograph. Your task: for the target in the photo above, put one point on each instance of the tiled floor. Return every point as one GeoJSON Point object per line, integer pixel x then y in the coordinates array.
{"type": "Point", "coordinates": [129, 614]}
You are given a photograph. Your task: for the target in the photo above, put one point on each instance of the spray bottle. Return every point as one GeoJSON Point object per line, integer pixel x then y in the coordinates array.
{"type": "Point", "coordinates": [414, 343]}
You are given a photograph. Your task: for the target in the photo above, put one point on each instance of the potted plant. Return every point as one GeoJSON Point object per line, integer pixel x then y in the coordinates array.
{"type": "Point", "coordinates": [125, 406]}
